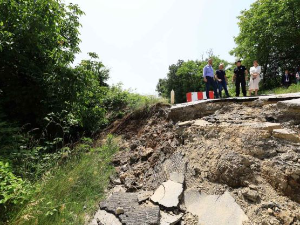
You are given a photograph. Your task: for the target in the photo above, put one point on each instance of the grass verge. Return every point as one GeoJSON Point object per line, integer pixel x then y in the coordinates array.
{"type": "Point", "coordinates": [71, 192]}
{"type": "Point", "coordinates": [282, 90]}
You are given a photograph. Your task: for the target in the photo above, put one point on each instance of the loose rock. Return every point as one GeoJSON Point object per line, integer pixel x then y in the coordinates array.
{"type": "Point", "coordinates": [168, 194]}
{"type": "Point", "coordinates": [214, 209]}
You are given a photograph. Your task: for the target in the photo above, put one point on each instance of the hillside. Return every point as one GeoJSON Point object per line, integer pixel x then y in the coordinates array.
{"type": "Point", "coordinates": [234, 161]}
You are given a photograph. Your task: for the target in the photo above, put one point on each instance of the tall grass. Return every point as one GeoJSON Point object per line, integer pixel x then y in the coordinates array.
{"type": "Point", "coordinates": [69, 194]}
{"type": "Point", "coordinates": [283, 90]}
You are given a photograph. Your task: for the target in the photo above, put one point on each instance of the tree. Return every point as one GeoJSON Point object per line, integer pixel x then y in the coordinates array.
{"type": "Point", "coordinates": [38, 40]}
{"type": "Point", "coordinates": [270, 33]}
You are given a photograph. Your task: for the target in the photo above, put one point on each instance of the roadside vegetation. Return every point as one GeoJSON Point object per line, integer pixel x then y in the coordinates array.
{"type": "Point", "coordinates": [49, 172]}
{"type": "Point", "coordinates": [70, 192]}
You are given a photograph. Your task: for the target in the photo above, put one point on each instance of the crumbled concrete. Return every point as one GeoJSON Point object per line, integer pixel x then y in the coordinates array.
{"type": "Point", "coordinates": [214, 209]}
{"type": "Point", "coordinates": [168, 194]}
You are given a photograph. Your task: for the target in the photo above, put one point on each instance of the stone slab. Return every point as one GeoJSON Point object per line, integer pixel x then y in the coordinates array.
{"type": "Point", "coordinates": [142, 216]}
{"type": "Point", "coordinates": [286, 134]}
{"type": "Point", "coordinates": [132, 212]}
{"type": "Point", "coordinates": [214, 209]}
{"type": "Point", "coordinates": [168, 194]}
{"type": "Point", "coordinates": [105, 218]}
{"type": "Point", "coordinates": [289, 104]}
{"type": "Point", "coordinates": [124, 200]}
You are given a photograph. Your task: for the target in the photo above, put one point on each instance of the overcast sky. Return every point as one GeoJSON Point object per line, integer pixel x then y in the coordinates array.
{"type": "Point", "coordinates": [138, 39]}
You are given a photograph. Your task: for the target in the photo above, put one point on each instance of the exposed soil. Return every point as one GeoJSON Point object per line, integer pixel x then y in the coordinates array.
{"type": "Point", "coordinates": [233, 150]}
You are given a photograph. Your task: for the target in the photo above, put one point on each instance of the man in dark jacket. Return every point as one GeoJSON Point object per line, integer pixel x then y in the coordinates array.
{"type": "Point", "coordinates": [240, 78]}
{"type": "Point", "coordinates": [286, 79]}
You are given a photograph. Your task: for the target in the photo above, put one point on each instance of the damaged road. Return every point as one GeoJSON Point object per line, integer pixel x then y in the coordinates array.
{"type": "Point", "coordinates": [235, 162]}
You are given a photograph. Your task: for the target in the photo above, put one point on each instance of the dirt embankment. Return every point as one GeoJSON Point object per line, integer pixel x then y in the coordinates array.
{"type": "Point", "coordinates": [238, 165]}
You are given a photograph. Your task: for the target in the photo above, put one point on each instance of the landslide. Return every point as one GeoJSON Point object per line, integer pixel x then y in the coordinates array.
{"type": "Point", "coordinates": [234, 149]}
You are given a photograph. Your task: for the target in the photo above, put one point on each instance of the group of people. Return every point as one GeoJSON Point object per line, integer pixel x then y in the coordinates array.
{"type": "Point", "coordinates": [287, 78]}
{"type": "Point", "coordinates": [218, 80]}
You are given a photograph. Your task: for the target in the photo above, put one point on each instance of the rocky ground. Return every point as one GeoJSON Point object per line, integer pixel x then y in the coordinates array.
{"type": "Point", "coordinates": [239, 163]}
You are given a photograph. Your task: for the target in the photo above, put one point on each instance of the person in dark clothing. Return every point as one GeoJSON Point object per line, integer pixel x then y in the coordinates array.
{"type": "Point", "coordinates": [286, 79]}
{"type": "Point", "coordinates": [221, 78]}
{"type": "Point", "coordinates": [240, 77]}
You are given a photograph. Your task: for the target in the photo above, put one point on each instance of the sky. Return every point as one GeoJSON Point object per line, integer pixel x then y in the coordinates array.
{"type": "Point", "coordinates": [138, 39]}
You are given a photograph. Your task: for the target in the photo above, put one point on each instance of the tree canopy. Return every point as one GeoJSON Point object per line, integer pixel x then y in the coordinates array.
{"type": "Point", "coordinates": [270, 33]}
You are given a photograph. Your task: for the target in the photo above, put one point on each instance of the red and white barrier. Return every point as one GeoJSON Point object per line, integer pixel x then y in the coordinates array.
{"type": "Point", "coordinates": [195, 96]}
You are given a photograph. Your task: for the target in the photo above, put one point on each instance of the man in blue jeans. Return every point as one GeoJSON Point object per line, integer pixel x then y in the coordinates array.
{"type": "Point", "coordinates": [222, 80]}
{"type": "Point", "coordinates": [208, 76]}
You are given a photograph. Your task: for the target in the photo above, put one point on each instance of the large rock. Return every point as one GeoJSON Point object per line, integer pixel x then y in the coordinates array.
{"type": "Point", "coordinates": [132, 212]}
{"type": "Point", "coordinates": [286, 134]}
{"type": "Point", "coordinates": [168, 194]}
{"type": "Point", "coordinates": [141, 216]}
{"type": "Point", "coordinates": [214, 209]}
{"type": "Point", "coordinates": [105, 218]}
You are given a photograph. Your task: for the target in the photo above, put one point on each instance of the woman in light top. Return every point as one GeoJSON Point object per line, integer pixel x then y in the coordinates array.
{"type": "Point", "coordinates": [254, 78]}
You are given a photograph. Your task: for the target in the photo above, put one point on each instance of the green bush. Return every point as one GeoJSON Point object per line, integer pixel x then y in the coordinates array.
{"type": "Point", "coordinates": [13, 190]}
{"type": "Point", "coordinates": [72, 190]}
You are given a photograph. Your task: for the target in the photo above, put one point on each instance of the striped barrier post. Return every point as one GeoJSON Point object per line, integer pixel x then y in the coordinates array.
{"type": "Point", "coordinates": [195, 96]}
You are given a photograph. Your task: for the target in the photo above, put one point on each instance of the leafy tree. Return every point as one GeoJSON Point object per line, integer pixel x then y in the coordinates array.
{"type": "Point", "coordinates": [270, 33]}
{"type": "Point", "coordinates": [38, 40]}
